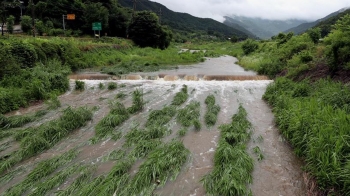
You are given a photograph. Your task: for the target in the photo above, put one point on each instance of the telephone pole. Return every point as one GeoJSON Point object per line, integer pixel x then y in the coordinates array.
{"type": "Point", "coordinates": [160, 15]}
{"type": "Point", "coordinates": [133, 8]}
{"type": "Point", "coordinates": [33, 19]}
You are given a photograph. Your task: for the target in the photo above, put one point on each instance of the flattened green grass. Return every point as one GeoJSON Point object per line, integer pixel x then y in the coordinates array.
{"type": "Point", "coordinates": [163, 163]}
{"type": "Point", "coordinates": [34, 140]}
{"type": "Point", "coordinates": [180, 97]}
{"type": "Point", "coordinates": [232, 164]}
{"type": "Point", "coordinates": [189, 115]}
{"type": "Point", "coordinates": [41, 171]}
{"type": "Point", "coordinates": [213, 110]}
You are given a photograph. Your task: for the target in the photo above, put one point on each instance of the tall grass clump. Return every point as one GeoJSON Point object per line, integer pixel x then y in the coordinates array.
{"type": "Point", "coordinates": [137, 102]}
{"type": "Point", "coordinates": [161, 164]}
{"type": "Point", "coordinates": [117, 179]}
{"type": "Point", "coordinates": [116, 117]}
{"type": "Point", "coordinates": [34, 140]}
{"type": "Point", "coordinates": [317, 125]}
{"type": "Point", "coordinates": [79, 85]}
{"type": "Point", "coordinates": [180, 97]}
{"type": "Point", "coordinates": [19, 120]}
{"type": "Point", "coordinates": [189, 115]}
{"type": "Point", "coordinates": [112, 86]}
{"type": "Point", "coordinates": [232, 164]}
{"type": "Point", "coordinates": [148, 139]}
{"type": "Point", "coordinates": [41, 171]}
{"type": "Point", "coordinates": [213, 110]}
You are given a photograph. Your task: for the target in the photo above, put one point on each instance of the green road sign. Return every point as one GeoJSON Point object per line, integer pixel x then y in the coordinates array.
{"type": "Point", "coordinates": [96, 26]}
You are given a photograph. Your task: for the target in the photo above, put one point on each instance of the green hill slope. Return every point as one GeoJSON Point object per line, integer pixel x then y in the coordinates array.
{"type": "Point", "coordinates": [186, 22]}
{"type": "Point", "coordinates": [323, 23]}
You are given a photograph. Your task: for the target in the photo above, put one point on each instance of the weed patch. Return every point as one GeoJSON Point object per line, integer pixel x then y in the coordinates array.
{"type": "Point", "coordinates": [213, 110]}
{"type": "Point", "coordinates": [232, 164]}
{"type": "Point", "coordinates": [180, 97]}
{"type": "Point", "coordinates": [189, 115]}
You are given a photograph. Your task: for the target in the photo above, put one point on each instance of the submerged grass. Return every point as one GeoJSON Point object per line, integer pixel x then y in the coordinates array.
{"type": "Point", "coordinates": [119, 114]}
{"type": "Point", "coordinates": [213, 110]}
{"type": "Point", "coordinates": [19, 120]}
{"type": "Point", "coordinates": [162, 163]}
{"type": "Point", "coordinates": [189, 115]}
{"type": "Point", "coordinates": [180, 97]}
{"type": "Point", "coordinates": [232, 164]}
{"type": "Point", "coordinates": [41, 171]}
{"type": "Point", "coordinates": [34, 140]}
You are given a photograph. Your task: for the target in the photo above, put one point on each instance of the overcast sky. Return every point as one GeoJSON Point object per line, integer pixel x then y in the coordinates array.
{"type": "Point", "coordinates": [269, 9]}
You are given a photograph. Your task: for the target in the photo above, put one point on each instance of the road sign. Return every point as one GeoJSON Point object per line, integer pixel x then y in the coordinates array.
{"type": "Point", "coordinates": [70, 16]}
{"type": "Point", "coordinates": [96, 26]}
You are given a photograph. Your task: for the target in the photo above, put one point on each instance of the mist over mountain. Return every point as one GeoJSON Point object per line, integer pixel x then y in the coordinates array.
{"type": "Point", "coordinates": [184, 22]}
{"type": "Point", "coordinates": [324, 23]}
{"type": "Point", "coordinates": [262, 28]}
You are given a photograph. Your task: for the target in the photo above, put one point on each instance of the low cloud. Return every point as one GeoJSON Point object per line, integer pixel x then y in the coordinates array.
{"type": "Point", "coordinates": [268, 9]}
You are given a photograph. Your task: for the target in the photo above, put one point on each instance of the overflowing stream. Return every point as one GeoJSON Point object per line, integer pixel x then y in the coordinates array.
{"type": "Point", "coordinates": [278, 173]}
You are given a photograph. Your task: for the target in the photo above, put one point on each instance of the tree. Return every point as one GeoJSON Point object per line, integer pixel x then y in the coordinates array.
{"type": "Point", "coordinates": [95, 12]}
{"type": "Point", "coordinates": [26, 24]}
{"type": "Point", "coordinates": [234, 39]}
{"type": "Point", "coordinates": [4, 5]}
{"type": "Point", "coordinates": [249, 46]}
{"type": "Point", "coordinates": [145, 31]}
{"type": "Point", "coordinates": [338, 42]}
{"type": "Point", "coordinates": [10, 22]}
{"type": "Point", "coordinates": [314, 34]}
{"type": "Point", "coordinates": [118, 20]}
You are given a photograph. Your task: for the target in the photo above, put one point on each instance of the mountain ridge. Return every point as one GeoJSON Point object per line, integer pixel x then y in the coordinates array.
{"type": "Point", "coordinates": [305, 26]}
{"type": "Point", "coordinates": [263, 28]}
{"type": "Point", "coordinates": [186, 22]}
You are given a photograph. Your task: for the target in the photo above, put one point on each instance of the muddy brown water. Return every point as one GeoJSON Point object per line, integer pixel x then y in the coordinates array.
{"type": "Point", "coordinates": [277, 174]}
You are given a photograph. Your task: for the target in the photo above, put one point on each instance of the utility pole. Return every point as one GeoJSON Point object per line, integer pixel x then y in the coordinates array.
{"type": "Point", "coordinates": [160, 15]}
{"type": "Point", "coordinates": [33, 17]}
{"type": "Point", "coordinates": [133, 8]}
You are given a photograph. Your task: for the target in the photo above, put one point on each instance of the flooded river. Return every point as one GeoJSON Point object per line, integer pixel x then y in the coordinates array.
{"type": "Point", "coordinates": [277, 174]}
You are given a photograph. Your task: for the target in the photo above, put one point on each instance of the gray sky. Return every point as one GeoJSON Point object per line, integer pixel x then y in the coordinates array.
{"type": "Point", "coordinates": [269, 9]}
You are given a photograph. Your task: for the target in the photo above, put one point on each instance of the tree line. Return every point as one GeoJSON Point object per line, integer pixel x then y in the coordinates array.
{"type": "Point", "coordinates": [47, 16]}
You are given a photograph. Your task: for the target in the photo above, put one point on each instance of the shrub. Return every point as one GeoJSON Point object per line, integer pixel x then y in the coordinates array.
{"type": "Point", "coordinates": [79, 85]}
{"type": "Point", "coordinates": [249, 46]}
{"type": "Point", "coordinates": [24, 53]}
{"type": "Point", "coordinates": [26, 23]}
{"type": "Point", "coordinates": [112, 86]}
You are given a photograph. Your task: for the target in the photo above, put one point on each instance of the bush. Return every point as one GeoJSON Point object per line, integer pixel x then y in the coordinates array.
{"type": "Point", "coordinates": [112, 86]}
{"type": "Point", "coordinates": [24, 53]}
{"type": "Point", "coordinates": [249, 46]}
{"type": "Point", "coordinates": [10, 22]}
{"type": "Point", "coordinates": [26, 24]}
{"type": "Point", "coordinates": [79, 85]}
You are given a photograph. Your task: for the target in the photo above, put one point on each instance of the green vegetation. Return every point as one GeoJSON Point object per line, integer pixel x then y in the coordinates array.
{"type": "Point", "coordinates": [232, 164]}
{"type": "Point", "coordinates": [314, 117]}
{"type": "Point", "coordinates": [34, 140]}
{"type": "Point", "coordinates": [19, 120]}
{"type": "Point", "coordinates": [79, 85]}
{"type": "Point", "coordinates": [162, 163]}
{"type": "Point", "coordinates": [189, 115]}
{"type": "Point", "coordinates": [41, 171]}
{"type": "Point", "coordinates": [311, 108]}
{"type": "Point", "coordinates": [213, 110]}
{"type": "Point", "coordinates": [180, 97]}
{"type": "Point", "coordinates": [116, 117]}
{"type": "Point", "coordinates": [112, 86]}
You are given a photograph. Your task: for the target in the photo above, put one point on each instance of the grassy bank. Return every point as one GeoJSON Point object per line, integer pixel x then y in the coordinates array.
{"type": "Point", "coordinates": [310, 98]}
{"type": "Point", "coordinates": [36, 68]}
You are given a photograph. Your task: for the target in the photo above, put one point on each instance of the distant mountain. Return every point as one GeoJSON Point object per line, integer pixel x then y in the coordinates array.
{"type": "Point", "coordinates": [186, 22]}
{"type": "Point", "coordinates": [262, 28]}
{"type": "Point", "coordinates": [324, 23]}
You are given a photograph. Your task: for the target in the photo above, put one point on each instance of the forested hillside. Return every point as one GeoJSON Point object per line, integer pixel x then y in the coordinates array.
{"type": "Point", "coordinates": [187, 24]}
{"type": "Point", "coordinates": [323, 23]}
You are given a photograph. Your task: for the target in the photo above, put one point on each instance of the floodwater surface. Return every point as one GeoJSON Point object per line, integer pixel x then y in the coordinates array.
{"type": "Point", "coordinates": [278, 173]}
